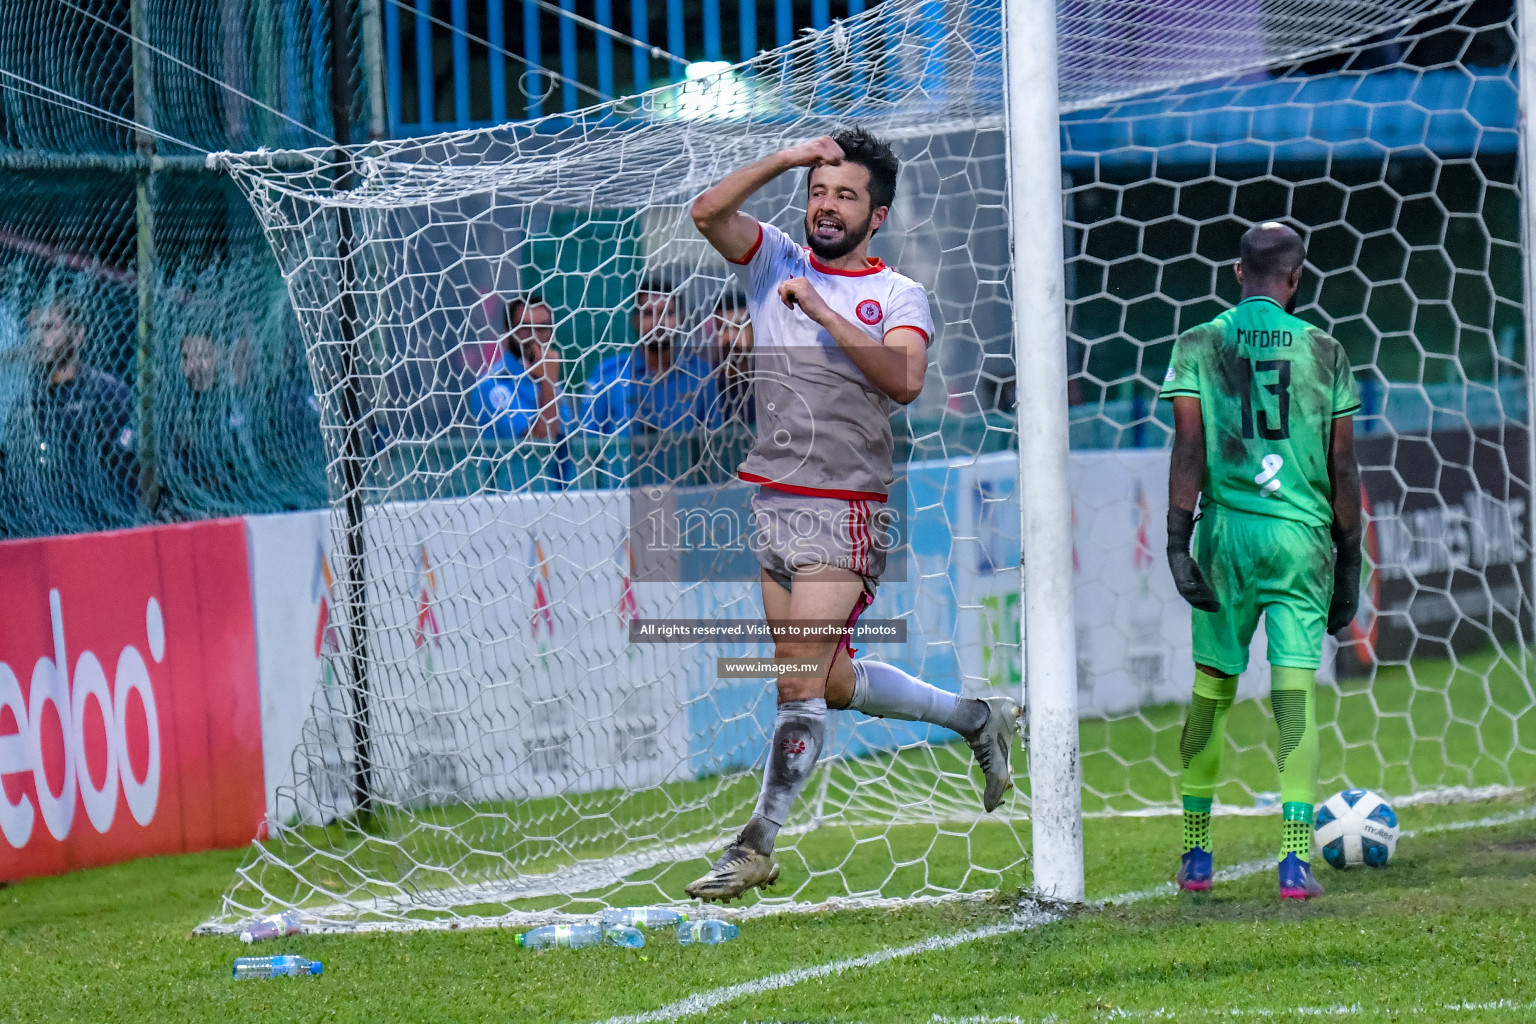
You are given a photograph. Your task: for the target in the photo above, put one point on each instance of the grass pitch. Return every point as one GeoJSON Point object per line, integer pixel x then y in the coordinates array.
{"type": "Point", "coordinates": [1446, 932]}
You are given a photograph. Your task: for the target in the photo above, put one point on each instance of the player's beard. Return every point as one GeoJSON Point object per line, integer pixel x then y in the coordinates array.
{"type": "Point", "coordinates": [829, 251]}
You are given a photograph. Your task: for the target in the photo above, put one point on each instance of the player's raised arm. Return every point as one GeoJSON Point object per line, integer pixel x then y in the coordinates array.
{"type": "Point", "coordinates": [717, 211]}
{"type": "Point", "coordinates": [1344, 475]}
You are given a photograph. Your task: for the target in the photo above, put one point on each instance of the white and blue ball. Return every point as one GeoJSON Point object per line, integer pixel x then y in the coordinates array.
{"type": "Point", "coordinates": [1356, 827]}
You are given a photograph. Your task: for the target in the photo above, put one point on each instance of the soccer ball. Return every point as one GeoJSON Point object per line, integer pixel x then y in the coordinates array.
{"type": "Point", "coordinates": [1356, 827]}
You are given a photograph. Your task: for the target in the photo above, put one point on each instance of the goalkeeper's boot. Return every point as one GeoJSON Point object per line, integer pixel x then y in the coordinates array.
{"type": "Point", "coordinates": [739, 868]}
{"type": "Point", "coordinates": [993, 746]}
{"type": "Point", "coordinates": [1195, 871]}
{"type": "Point", "coordinates": [1296, 881]}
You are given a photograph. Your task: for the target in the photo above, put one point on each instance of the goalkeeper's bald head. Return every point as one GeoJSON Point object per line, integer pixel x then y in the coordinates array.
{"type": "Point", "coordinates": [1271, 252]}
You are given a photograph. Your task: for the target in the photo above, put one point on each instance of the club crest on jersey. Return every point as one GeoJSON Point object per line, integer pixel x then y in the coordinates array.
{"type": "Point", "coordinates": [869, 311]}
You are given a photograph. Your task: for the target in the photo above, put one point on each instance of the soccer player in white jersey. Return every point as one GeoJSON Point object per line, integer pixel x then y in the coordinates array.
{"type": "Point", "coordinates": [838, 336]}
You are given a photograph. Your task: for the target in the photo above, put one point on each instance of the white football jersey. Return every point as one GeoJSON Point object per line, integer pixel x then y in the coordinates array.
{"type": "Point", "coordinates": [822, 427]}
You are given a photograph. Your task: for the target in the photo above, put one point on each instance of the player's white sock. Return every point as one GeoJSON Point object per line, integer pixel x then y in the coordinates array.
{"type": "Point", "coordinates": [885, 691]}
{"type": "Point", "coordinates": [798, 732]}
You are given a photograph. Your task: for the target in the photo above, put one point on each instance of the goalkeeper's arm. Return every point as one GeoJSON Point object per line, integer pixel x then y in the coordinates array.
{"type": "Point", "coordinates": [1344, 475]}
{"type": "Point", "coordinates": [717, 211]}
{"type": "Point", "coordinates": [1186, 473]}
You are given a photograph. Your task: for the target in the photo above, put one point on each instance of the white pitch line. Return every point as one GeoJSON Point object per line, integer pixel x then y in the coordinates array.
{"type": "Point", "coordinates": [1265, 1012]}
{"type": "Point", "coordinates": [702, 1002]}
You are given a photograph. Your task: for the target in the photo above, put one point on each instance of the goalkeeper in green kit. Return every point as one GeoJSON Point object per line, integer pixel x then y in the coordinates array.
{"type": "Point", "coordinates": [1262, 407]}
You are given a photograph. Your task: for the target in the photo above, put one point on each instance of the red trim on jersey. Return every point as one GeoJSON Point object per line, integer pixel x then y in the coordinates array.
{"type": "Point", "coordinates": [908, 327]}
{"type": "Point", "coordinates": [811, 492]}
{"type": "Point", "coordinates": [875, 266]}
{"type": "Point", "coordinates": [752, 251]}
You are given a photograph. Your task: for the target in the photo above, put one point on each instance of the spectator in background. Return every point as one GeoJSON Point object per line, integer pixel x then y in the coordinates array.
{"type": "Point", "coordinates": [13, 368]}
{"type": "Point", "coordinates": [521, 395]}
{"type": "Point", "coordinates": [85, 416]}
{"type": "Point", "coordinates": [653, 386]}
{"type": "Point", "coordinates": [211, 448]}
{"type": "Point", "coordinates": [729, 335]}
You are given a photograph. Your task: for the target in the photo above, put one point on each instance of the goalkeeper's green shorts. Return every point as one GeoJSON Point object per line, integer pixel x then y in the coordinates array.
{"type": "Point", "coordinates": [1266, 565]}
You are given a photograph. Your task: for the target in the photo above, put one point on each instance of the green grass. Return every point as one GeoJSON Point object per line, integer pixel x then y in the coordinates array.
{"type": "Point", "coordinates": [1468, 722]}
{"type": "Point", "coordinates": [1437, 723]}
{"type": "Point", "coordinates": [1452, 919]}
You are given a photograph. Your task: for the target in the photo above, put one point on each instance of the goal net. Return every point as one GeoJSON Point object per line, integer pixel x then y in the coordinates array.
{"type": "Point", "coordinates": [497, 740]}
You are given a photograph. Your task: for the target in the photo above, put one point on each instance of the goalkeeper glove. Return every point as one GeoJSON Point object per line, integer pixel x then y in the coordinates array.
{"type": "Point", "coordinates": [1186, 573]}
{"type": "Point", "coordinates": [1346, 580]}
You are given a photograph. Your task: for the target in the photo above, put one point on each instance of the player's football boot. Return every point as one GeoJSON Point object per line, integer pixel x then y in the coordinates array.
{"type": "Point", "coordinates": [739, 868]}
{"type": "Point", "coordinates": [993, 747]}
{"type": "Point", "coordinates": [1195, 871]}
{"type": "Point", "coordinates": [1296, 881]}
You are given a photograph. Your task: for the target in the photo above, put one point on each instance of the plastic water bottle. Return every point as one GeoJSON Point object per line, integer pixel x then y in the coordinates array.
{"type": "Point", "coordinates": [275, 966]}
{"type": "Point", "coordinates": [272, 926]}
{"type": "Point", "coordinates": [709, 932]}
{"type": "Point", "coordinates": [575, 936]}
{"type": "Point", "coordinates": [643, 917]}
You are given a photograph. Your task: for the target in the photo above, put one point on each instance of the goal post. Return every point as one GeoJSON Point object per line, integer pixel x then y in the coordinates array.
{"type": "Point", "coordinates": [1070, 209]}
{"type": "Point", "coordinates": [1045, 505]}
{"type": "Point", "coordinates": [1525, 19]}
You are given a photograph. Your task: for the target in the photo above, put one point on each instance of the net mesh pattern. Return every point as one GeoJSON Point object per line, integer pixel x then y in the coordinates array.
{"type": "Point", "coordinates": [520, 757]}
{"type": "Point", "coordinates": [151, 368]}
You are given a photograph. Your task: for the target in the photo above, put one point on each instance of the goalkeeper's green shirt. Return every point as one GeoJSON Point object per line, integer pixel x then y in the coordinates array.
{"type": "Point", "coordinates": [1270, 386]}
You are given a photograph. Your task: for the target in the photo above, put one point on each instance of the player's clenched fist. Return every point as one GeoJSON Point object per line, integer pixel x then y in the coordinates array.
{"type": "Point", "coordinates": [798, 291]}
{"type": "Point", "coordinates": [815, 153]}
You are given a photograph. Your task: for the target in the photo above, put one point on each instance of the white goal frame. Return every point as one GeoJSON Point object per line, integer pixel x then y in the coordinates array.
{"type": "Point", "coordinates": [1033, 134]}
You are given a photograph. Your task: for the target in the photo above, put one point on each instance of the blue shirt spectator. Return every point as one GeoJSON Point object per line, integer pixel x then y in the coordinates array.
{"type": "Point", "coordinates": [625, 393]}
{"type": "Point", "coordinates": [505, 400]}
{"type": "Point", "coordinates": [520, 394]}
{"type": "Point", "coordinates": [651, 387]}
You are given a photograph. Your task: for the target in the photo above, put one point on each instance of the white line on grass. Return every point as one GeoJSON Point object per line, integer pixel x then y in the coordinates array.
{"type": "Point", "coordinates": [703, 1002]}
{"type": "Point", "coordinates": [1341, 1010]}
{"type": "Point", "coordinates": [1025, 920]}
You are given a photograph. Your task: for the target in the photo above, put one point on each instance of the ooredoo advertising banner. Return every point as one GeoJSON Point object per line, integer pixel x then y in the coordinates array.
{"type": "Point", "coordinates": [129, 718]}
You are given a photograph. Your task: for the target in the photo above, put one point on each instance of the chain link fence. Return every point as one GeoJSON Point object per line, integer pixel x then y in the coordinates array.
{"type": "Point", "coordinates": [151, 368]}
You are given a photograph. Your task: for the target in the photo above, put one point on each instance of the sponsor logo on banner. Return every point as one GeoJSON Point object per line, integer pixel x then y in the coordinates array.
{"type": "Point", "coordinates": [327, 642]}
{"type": "Point", "coordinates": [543, 618]}
{"type": "Point", "coordinates": [129, 714]}
{"type": "Point", "coordinates": [1447, 550]}
{"type": "Point", "coordinates": [628, 609]}
{"type": "Point", "coordinates": [82, 740]}
{"type": "Point", "coordinates": [426, 633]}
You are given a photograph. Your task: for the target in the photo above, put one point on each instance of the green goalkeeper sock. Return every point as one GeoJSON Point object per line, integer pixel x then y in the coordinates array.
{"type": "Point", "coordinates": [1293, 697]}
{"type": "Point", "coordinates": [1197, 823]}
{"type": "Point", "coordinates": [1296, 831]}
{"type": "Point", "coordinates": [1205, 730]}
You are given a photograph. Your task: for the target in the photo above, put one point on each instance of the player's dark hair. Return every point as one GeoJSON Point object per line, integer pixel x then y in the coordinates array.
{"type": "Point", "coordinates": [518, 306]}
{"type": "Point", "coordinates": [1271, 251]}
{"type": "Point", "coordinates": [875, 156]}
